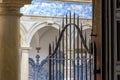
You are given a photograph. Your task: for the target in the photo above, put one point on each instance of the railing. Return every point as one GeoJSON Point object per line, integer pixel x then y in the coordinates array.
{"type": "Point", "coordinates": [72, 56]}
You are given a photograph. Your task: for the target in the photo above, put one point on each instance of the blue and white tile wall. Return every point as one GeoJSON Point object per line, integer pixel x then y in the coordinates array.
{"type": "Point", "coordinates": [39, 71]}
{"type": "Point", "coordinates": [58, 9]}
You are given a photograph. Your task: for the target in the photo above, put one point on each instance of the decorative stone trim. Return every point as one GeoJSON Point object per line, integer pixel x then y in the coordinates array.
{"type": "Point", "coordinates": [25, 49]}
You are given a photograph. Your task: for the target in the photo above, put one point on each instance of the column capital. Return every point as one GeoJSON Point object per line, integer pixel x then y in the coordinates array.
{"type": "Point", "coordinates": [12, 7]}
{"type": "Point", "coordinates": [16, 1]}
{"type": "Point", "coordinates": [25, 49]}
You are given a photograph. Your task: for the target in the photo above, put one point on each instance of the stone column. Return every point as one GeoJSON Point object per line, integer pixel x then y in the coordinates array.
{"type": "Point", "coordinates": [24, 63]}
{"type": "Point", "coordinates": [9, 40]}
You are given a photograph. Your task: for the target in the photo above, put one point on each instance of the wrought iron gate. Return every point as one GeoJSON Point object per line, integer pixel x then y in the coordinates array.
{"type": "Point", "coordinates": [72, 56]}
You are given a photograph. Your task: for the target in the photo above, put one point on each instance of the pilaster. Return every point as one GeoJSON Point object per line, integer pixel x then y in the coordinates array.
{"type": "Point", "coordinates": [24, 63]}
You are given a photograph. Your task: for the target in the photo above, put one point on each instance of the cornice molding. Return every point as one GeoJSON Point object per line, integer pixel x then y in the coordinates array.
{"type": "Point", "coordinates": [26, 2]}
{"type": "Point", "coordinates": [23, 2]}
{"type": "Point", "coordinates": [12, 7]}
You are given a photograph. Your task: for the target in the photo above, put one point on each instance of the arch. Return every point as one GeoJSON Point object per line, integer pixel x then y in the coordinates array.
{"type": "Point", "coordinates": [86, 32]}
{"type": "Point", "coordinates": [23, 34]}
{"type": "Point", "coordinates": [23, 31]}
{"type": "Point", "coordinates": [37, 27]}
{"type": "Point", "coordinates": [86, 26]}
